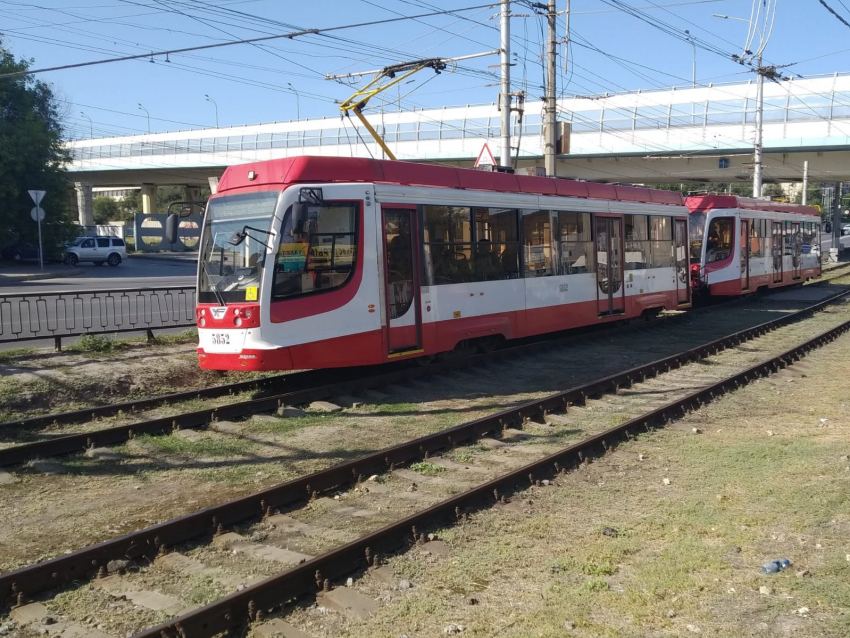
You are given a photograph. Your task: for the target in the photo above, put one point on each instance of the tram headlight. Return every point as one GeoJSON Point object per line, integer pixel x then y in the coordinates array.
{"type": "Point", "coordinates": [247, 313]}
{"type": "Point", "coordinates": [238, 321]}
{"type": "Point", "coordinates": [203, 322]}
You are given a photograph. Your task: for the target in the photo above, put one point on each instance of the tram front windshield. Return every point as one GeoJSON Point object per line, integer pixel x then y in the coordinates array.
{"type": "Point", "coordinates": [696, 228]}
{"type": "Point", "coordinates": [228, 273]}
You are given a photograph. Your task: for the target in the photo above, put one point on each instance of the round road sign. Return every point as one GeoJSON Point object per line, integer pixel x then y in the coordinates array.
{"type": "Point", "coordinates": [37, 214]}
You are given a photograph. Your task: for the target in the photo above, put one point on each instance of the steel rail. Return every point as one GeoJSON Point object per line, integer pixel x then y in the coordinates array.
{"type": "Point", "coordinates": [240, 609]}
{"type": "Point", "coordinates": [90, 413]}
{"type": "Point", "coordinates": [344, 381]}
{"type": "Point", "coordinates": [148, 542]}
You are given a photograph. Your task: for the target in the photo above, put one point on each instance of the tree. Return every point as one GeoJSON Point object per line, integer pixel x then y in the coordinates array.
{"type": "Point", "coordinates": [106, 210]}
{"type": "Point", "coordinates": [31, 157]}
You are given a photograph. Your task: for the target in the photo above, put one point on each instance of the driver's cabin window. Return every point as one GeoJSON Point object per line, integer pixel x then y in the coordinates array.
{"type": "Point", "coordinates": [720, 239]}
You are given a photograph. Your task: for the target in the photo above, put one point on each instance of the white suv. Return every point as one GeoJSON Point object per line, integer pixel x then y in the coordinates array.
{"type": "Point", "coordinates": [100, 250]}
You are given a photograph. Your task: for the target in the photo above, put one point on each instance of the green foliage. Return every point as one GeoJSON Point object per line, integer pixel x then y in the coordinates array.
{"type": "Point", "coordinates": [426, 468]}
{"type": "Point", "coordinates": [95, 343]}
{"type": "Point", "coordinates": [31, 157]}
{"type": "Point", "coordinates": [105, 210]}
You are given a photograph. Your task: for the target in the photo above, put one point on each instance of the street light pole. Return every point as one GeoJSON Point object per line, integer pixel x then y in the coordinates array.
{"type": "Point", "coordinates": [297, 101]}
{"type": "Point", "coordinates": [209, 99]}
{"type": "Point", "coordinates": [148, 114]}
{"type": "Point", "coordinates": [91, 126]}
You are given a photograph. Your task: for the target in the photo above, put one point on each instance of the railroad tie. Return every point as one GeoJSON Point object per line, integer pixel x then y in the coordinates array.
{"type": "Point", "coordinates": [240, 544]}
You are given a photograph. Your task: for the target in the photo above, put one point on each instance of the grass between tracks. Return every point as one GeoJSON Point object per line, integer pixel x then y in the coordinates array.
{"type": "Point", "coordinates": [767, 478]}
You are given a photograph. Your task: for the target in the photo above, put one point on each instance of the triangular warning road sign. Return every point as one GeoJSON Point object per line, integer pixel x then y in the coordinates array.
{"type": "Point", "coordinates": [485, 157]}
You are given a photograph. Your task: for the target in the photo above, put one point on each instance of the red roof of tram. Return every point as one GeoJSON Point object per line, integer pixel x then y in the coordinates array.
{"type": "Point", "coordinates": [303, 169]}
{"type": "Point", "coordinates": [699, 203]}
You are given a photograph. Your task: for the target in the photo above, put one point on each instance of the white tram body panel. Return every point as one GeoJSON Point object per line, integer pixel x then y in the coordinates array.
{"type": "Point", "coordinates": [346, 262]}
{"type": "Point", "coordinates": [738, 244]}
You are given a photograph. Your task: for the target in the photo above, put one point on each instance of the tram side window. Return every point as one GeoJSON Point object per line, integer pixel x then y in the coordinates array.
{"type": "Point", "coordinates": [538, 244]}
{"type": "Point", "coordinates": [637, 241]}
{"type": "Point", "coordinates": [576, 243]}
{"type": "Point", "coordinates": [757, 233]}
{"type": "Point", "coordinates": [661, 242]}
{"type": "Point", "coordinates": [496, 253]}
{"type": "Point", "coordinates": [720, 240]}
{"type": "Point", "coordinates": [786, 226]}
{"type": "Point", "coordinates": [448, 241]}
{"type": "Point", "coordinates": [319, 257]}
{"type": "Point", "coordinates": [465, 245]}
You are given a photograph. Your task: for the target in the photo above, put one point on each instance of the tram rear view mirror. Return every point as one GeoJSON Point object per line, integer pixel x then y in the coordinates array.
{"type": "Point", "coordinates": [172, 224]}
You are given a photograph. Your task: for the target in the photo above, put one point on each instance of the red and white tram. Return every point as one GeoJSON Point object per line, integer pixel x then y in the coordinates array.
{"type": "Point", "coordinates": [741, 244]}
{"type": "Point", "coordinates": [315, 262]}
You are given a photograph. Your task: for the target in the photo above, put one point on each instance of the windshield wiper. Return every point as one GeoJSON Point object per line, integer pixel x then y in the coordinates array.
{"type": "Point", "coordinates": [219, 297]}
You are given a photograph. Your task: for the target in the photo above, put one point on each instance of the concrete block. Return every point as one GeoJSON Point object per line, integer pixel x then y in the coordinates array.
{"type": "Point", "coordinates": [557, 419]}
{"type": "Point", "coordinates": [347, 401]}
{"type": "Point", "coordinates": [288, 412]}
{"type": "Point", "coordinates": [193, 436]}
{"type": "Point", "coordinates": [325, 406]}
{"type": "Point", "coordinates": [349, 602]}
{"type": "Point", "coordinates": [103, 454]}
{"type": "Point", "coordinates": [51, 468]}
{"type": "Point", "coordinates": [226, 427]}
{"type": "Point", "coordinates": [492, 444]}
{"type": "Point", "coordinates": [28, 614]}
{"type": "Point", "coordinates": [289, 525]}
{"type": "Point", "coordinates": [344, 510]}
{"type": "Point", "coordinates": [8, 479]}
{"type": "Point", "coordinates": [241, 544]}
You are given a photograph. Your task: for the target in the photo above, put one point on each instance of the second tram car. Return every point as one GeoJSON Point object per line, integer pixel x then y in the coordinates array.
{"type": "Point", "coordinates": [740, 244]}
{"type": "Point", "coordinates": [315, 262]}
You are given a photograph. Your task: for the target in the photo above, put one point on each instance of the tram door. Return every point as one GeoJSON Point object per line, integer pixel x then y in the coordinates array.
{"type": "Point", "coordinates": [778, 249]}
{"type": "Point", "coordinates": [797, 250]}
{"type": "Point", "coordinates": [745, 254]}
{"type": "Point", "coordinates": [683, 284]}
{"type": "Point", "coordinates": [401, 275]}
{"type": "Point", "coordinates": [609, 266]}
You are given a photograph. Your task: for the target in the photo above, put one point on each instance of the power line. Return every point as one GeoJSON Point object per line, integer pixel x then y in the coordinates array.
{"type": "Point", "coordinates": [290, 35]}
{"type": "Point", "coordinates": [832, 11]}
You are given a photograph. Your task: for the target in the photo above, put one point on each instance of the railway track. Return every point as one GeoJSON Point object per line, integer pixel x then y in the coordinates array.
{"type": "Point", "coordinates": [510, 451]}
{"type": "Point", "coordinates": [298, 380]}
{"type": "Point", "coordinates": [303, 388]}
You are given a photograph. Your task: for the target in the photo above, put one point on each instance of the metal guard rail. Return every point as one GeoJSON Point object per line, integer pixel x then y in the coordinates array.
{"type": "Point", "coordinates": [30, 316]}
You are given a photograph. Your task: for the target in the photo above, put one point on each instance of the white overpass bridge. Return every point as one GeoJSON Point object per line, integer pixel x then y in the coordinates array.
{"type": "Point", "coordinates": [657, 136]}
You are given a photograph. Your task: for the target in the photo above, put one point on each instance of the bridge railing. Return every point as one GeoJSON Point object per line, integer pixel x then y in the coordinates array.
{"type": "Point", "coordinates": [31, 316]}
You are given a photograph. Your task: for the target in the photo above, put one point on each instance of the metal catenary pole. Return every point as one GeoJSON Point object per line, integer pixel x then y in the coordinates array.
{"type": "Point", "coordinates": [551, 110]}
{"type": "Point", "coordinates": [836, 218]}
{"type": "Point", "coordinates": [505, 95]}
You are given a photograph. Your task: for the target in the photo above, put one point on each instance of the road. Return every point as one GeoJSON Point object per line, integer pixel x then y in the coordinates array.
{"type": "Point", "coordinates": [135, 272]}
{"type": "Point", "coordinates": [42, 312]}
{"type": "Point", "coordinates": [826, 242]}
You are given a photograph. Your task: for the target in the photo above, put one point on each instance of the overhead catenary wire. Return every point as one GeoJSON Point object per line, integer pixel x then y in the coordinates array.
{"type": "Point", "coordinates": [292, 34]}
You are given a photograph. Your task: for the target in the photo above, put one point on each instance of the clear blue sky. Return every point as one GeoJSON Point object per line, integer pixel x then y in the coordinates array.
{"type": "Point", "coordinates": [611, 51]}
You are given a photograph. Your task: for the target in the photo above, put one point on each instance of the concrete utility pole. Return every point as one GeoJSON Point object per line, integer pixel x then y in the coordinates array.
{"type": "Point", "coordinates": [505, 95]}
{"type": "Point", "coordinates": [836, 220]}
{"type": "Point", "coordinates": [805, 181]}
{"type": "Point", "coordinates": [550, 108]}
{"type": "Point", "coordinates": [757, 153]}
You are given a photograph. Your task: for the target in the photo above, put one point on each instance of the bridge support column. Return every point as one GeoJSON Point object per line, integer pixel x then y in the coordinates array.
{"type": "Point", "coordinates": [85, 203]}
{"type": "Point", "coordinates": [192, 194]}
{"type": "Point", "coordinates": [148, 199]}
{"type": "Point", "coordinates": [213, 184]}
